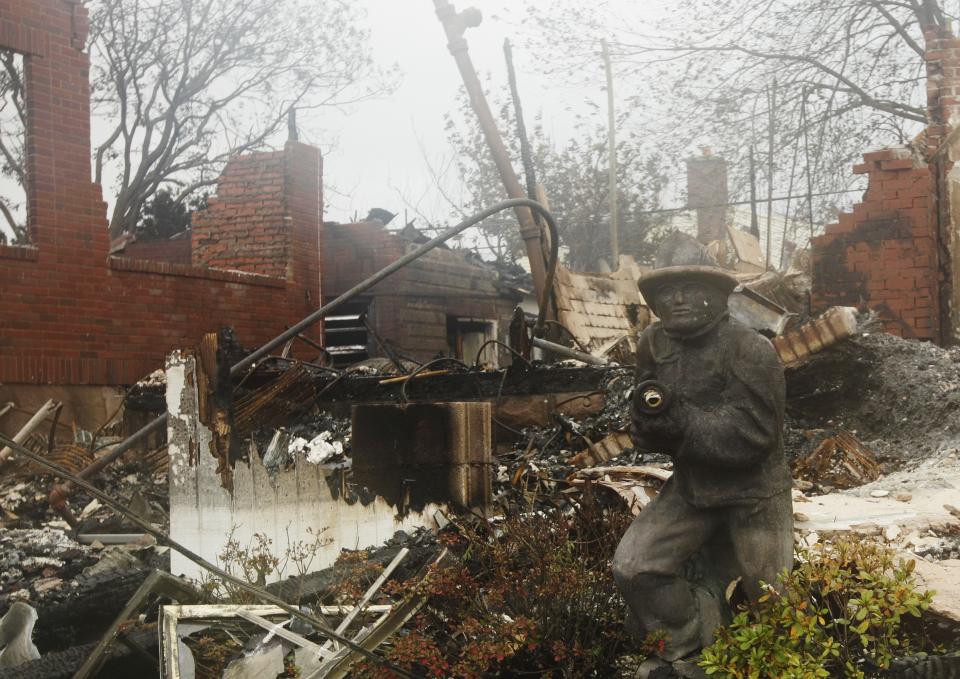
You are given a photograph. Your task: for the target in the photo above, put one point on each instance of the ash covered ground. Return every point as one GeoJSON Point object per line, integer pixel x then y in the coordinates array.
{"type": "Point", "coordinates": [899, 397]}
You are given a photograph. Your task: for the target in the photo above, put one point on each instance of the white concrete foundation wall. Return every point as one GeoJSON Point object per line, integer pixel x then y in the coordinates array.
{"type": "Point", "coordinates": [282, 506]}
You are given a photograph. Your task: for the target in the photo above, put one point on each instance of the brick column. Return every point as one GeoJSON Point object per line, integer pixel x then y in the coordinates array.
{"type": "Point", "coordinates": [942, 147]}
{"type": "Point", "coordinates": [303, 188]}
{"type": "Point", "coordinates": [707, 192]}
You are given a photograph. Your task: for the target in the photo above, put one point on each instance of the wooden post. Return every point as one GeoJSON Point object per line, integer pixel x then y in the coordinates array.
{"type": "Point", "coordinates": [771, 122]}
{"type": "Point", "coordinates": [612, 161]}
{"type": "Point", "coordinates": [455, 24]}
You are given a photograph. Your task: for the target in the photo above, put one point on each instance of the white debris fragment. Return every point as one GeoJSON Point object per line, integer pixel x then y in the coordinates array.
{"type": "Point", "coordinates": [278, 443]}
{"type": "Point", "coordinates": [157, 378]}
{"type": "Point", "coordinates": [891, 533]}
{"type": "Point", "coordinates": [17, 626]}
{"type": "Point", "coordinates": [318, 450]}
{"type": "Point", "coordinates": [43, 585]}
{"type": "Point", "coordinates": [91, 507]}
{"type": "Point", "coordinates": [261, 662]}
{"type": "Point", "coordinates": [879, 493]}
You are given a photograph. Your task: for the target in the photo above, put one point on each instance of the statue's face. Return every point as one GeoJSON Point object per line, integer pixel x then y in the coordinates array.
{"type": "Point", "coordinates": [687, 307]}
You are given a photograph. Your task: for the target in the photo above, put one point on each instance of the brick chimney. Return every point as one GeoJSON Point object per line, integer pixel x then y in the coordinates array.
{"type": "Point", "coordinates": [706, 187]}
{"type": "Point", "coordinates": [265, 217]}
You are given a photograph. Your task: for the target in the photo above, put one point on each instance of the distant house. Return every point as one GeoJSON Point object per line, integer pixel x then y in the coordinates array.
{"type": "Point", "coordinates": [447, 303]}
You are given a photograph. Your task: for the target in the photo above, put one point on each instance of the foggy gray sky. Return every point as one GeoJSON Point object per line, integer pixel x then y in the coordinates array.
{"type": "Point", "coordinates": [377, 158]}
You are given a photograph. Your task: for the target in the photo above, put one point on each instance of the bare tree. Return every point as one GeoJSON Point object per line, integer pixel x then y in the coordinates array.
{"type": "Point", "coordinates": [184, 84]}
{"type": "Point", "coordinates": [12, 140]}
{"type": "Point", "coordinates": [850, 76]}
{"type": "Point", "coordinates": [575, 176]}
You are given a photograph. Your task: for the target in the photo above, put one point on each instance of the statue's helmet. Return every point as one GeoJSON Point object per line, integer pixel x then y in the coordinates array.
{"type": "Point", "coordinates": [680, 259]}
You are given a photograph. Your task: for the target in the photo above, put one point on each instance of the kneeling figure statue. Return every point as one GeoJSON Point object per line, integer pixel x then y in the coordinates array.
{"type": "Point", "coordinates": [710, 393]}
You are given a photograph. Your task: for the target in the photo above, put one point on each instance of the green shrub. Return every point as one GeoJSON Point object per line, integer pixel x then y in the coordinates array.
{"type": "Point", "coordinates": [840, 613]}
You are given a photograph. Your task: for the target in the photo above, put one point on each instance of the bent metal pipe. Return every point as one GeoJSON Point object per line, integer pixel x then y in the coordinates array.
{"type": "Point", "coordinates": [61, 492]}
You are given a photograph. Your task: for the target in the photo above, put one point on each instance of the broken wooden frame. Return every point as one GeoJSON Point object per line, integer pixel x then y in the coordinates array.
{"type": "Point", "coordinates": [315, 660]}
{"type": "Point", "coordinates": [159, 583]}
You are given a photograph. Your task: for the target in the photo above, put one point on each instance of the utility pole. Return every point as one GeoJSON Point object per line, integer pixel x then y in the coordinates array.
{"type": "Point", "coordinates": [754, 220]}
{"type": "Point", "coordinates": [806, 153]}
{"type": "Point", "coordinates": [612, 161]}
{"type": "Point", "coordinates": [771, 122]}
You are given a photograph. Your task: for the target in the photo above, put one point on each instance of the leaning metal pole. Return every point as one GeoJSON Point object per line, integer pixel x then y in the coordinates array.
{"type": "Point", "coordinates": [59, 494]}
{"type": "Point", "coordinates": [455, 24]}
{"type": "Point", "coordinates": [165, 539]}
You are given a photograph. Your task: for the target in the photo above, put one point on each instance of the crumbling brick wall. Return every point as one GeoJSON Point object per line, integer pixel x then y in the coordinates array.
{"type": "Point", "coordinates": [882, 256]}
{"type": "Point", "coordinates": [176, 250]}
{"type": "Point", "coordinates": [73, 315]}
{"type": "Point", "coordinates": [243, 227]}
{"type": "Point", "coordinates": [411, 307]}
{"type": "Point", "coordinates": [897, 252]}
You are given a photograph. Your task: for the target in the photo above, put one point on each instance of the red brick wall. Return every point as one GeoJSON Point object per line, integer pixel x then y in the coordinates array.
{"type": "Point", "coordinates": [411, 307]}
{"type": "Point", "coordinates": [882, 256]}
{"type": "Point", "coordinates": [173, 250]}
{"type": "Point", "coordinates": [893, 253]}
{"type": "Point", "coordinates": [71, 314]}
{"type": "Point", "coordinates": [243, 227]}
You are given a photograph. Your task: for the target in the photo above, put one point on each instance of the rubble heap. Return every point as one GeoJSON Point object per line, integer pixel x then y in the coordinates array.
{"type": "Point", "coordinates": [899, 397]}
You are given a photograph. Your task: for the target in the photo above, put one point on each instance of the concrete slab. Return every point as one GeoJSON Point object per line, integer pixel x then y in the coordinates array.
{"type": "Point", "coordinates": [943, 577]}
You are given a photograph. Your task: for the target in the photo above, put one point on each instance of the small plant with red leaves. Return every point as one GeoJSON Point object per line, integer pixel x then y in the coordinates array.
{"type": "Point", "coordinates": [533, 594]}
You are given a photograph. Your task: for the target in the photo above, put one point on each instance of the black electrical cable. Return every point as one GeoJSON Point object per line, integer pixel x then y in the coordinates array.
{"type": "Point", "coordinates": [476, 361]}
{"type": "Point", "coordinates": [420, 369]}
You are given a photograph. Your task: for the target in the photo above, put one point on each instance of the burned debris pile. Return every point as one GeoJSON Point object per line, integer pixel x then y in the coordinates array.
{"type": "Point", "coordinates": [900, 397]}
{"type": "Point", "coordinates": [521, 584]}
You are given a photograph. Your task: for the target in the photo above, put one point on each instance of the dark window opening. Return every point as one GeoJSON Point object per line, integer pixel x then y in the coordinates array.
{"type": "Point", "coordinates": [466, 338]}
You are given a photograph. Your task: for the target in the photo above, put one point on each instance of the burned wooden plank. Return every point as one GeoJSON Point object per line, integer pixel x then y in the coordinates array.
{"type": "Point", "coordinates": [469, 386]}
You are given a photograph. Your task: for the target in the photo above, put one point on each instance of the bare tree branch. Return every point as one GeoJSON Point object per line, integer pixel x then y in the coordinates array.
{"type": "Point", "coordinates": [183, 96]}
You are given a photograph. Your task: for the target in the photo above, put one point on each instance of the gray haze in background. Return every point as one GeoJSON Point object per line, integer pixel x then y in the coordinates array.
{"type": "Point", "coordinates": [385, 153]}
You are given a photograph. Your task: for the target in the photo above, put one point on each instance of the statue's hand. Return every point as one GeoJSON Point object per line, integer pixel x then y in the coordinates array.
{"type": "Point", "coordinates": [661, 431]}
